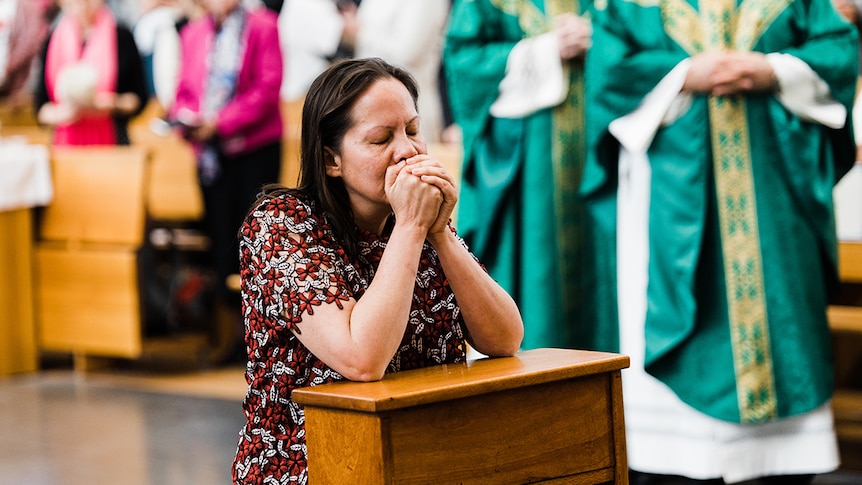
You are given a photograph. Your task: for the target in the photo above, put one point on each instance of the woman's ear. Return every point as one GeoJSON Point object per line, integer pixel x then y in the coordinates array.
{"type": "Point", "coordinates": [332, 162]}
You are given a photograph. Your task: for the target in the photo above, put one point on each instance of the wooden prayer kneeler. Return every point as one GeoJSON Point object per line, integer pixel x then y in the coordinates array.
{"type": "Point", "coordinates": [546, 415]}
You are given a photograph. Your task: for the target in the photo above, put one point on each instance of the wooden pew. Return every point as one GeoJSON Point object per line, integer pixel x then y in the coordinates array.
{"type": "Point", "coordinates": [98, 195]}
{"type": "Point", "coordinates": [850, 261]}
{"type": "Point", "coordinates": [546, 415]}
{"type": "Point", "coordinates": [291, 114]}
{"type": "Point", "coordinates": [846, 323]}
{"type": "Point", "coordinates": [25, 184]}
{"type": "Point", "coordinates": [18, 113]}
{"type": "Point", "coordinates": [846, 318]}
{"type": "Point", "coordinates": [172, 192]}
{"type": "Point", "coordinates": [18, 349]}
{"type": "Point", "coordinates": [87, 296]}
{"type": "Point", "coordinates": [34, 135]}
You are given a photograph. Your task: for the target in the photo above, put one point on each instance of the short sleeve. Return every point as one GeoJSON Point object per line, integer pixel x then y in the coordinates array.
{"type": "Point", "coordinates": [289, 262]}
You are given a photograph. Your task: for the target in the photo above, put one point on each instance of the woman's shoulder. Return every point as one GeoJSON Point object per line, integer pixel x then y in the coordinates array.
{"type": "Point", "coordinates": [290, 206]}
{"type": "Point", "coordinates": [291, 217]}
{"type": "Point", "coordinates": [280, 198]}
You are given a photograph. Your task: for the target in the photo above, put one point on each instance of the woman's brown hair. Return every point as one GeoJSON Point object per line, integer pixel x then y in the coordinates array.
{"type": "Point", "coordinates": [325, 120]}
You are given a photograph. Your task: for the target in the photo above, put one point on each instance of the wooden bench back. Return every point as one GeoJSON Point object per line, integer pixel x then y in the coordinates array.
{"type": "Point", "coordinates": [850, 261]}
{"type": "Point", "coordinates": [172, 192]}
{"type": "Point", "coordinates": [98, 195]}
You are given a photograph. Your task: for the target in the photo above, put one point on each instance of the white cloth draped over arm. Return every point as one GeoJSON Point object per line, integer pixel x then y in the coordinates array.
{"type": "Point", "coordinates": [534, 80]}
{"type": "Point", "coordinates": [635, 132]}
{"type": "Point", "coordinates": [664, 104]}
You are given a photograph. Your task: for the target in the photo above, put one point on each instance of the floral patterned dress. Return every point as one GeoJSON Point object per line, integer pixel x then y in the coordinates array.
{"type": "Point", "coordinates": [291, 262]}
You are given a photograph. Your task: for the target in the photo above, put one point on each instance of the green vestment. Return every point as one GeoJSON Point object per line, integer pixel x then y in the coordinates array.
{"type": "Point", "coordinates": [519, 208]}
{"type": "Point", "coordinates": [741, 234]}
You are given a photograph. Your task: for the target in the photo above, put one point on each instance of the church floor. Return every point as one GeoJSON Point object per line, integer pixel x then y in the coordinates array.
{"type": "Point", "coordinates": [59, 427]}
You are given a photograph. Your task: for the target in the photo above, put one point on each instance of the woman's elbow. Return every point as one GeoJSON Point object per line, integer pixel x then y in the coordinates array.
{"type": "Point", "coordinates": [363, 372]}
{"type": "Point", "coordinates": [509, 348]}
{"type": "Point", "coordinates": [364, 376]}
{"type": "Point", "coordinates": [505, 345]}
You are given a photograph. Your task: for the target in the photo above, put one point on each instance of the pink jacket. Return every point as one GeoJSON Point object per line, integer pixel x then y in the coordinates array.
{"type": "Point", "coordinates": [252, 118]}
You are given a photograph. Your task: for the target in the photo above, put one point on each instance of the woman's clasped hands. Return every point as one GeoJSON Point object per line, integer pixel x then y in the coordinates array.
{"type": "Point", "coordinates": [422, 192]}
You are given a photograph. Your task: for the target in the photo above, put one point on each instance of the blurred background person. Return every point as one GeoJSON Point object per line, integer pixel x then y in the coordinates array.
{"type": "Point", "coordinates": [24, 26]}
{"type": "Point", "coordinates": [92, 80]}
{"type": "Point", "coordinates": [515, 77]}
{"type": "Point", "coordinates": [274, 5]}
{"type": "Point", "coordinates": [721, 145]}
{"type": "Point", "coordinates": [167, 54]}
{"type": "Point", "coordinates": [126, 11]}
{"type": "Point", "coordinates": [849, 9]}
{"type": "Point", "coordinates": [157, 33]}
{"type": "Point", "coordinates": [852, 11]}
{"type": "Point", "coordinates": [313, 33]}
{"type": "Point", "coordinates": [228, 105]}
{"type": "Point", "coordinates": [157, 18]}
{"type": "Point", "coordinates": [409, 34]}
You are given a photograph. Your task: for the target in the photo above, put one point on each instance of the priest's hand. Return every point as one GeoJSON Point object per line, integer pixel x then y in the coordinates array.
{"type": "Point", "coordinates": [574, 35]}
{"type": "Point", "coordinates": [729, 72]}
{"type": "Point", "coordinates": [751, 72]}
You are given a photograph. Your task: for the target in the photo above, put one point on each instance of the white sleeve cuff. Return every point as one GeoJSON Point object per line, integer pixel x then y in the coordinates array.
{"type": "Point", "coordinates": [804, 93]}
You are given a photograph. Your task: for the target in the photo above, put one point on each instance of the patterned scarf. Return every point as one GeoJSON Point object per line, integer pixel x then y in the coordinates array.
{"type": "Point", "coordinates": [225, 60]}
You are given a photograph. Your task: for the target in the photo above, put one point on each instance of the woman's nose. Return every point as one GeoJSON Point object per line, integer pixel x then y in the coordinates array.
{"type": "Point", "coordinates": [407, 148]}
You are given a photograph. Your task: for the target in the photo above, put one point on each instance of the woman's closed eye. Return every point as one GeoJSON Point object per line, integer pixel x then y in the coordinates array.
{"type": "Point", "coordinates": [387, 139]}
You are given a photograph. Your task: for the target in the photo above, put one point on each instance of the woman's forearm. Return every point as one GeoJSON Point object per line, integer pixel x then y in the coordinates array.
{"type": "Point", "coordinates": [379, 319]}
{"type": "Point", "coordinates": [492, 317]}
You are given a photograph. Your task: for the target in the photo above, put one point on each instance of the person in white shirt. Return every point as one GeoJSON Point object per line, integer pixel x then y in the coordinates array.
{"type": "Point", "coordinates": [409, 34]}
{"type": "Point", "coordinates": [312, 34]}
